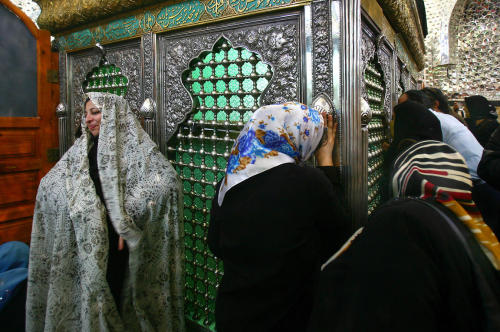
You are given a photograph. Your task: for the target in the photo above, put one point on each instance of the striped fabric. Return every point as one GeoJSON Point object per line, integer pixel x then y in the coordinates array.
{"type": "Point", "coordinates": [434, 169]}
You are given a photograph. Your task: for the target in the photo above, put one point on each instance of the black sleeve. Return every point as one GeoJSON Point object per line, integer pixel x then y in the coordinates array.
{"type": "Point", "coordinates": [213, 226]}
{"type": "Point", "coordinates": [333, 218]}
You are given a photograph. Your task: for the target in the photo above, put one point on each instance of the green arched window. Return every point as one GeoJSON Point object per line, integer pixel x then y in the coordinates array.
{"type": "Point", "coordinates": [225, 84]}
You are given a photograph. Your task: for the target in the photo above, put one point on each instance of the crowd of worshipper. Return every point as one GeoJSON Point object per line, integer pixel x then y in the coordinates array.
{"type": "Point", "coordinates": [107, 249]}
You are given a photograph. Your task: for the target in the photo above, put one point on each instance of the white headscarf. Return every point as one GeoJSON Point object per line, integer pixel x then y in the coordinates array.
{"type": "Point", "coordinates": [274, 135]}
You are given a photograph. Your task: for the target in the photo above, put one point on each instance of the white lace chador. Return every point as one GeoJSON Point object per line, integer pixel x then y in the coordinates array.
{"type": "Point", "coordinates": [67, 287]}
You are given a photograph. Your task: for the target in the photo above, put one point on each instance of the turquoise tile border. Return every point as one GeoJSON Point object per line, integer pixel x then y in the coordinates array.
{"type": "Point", "coordinates": [162, 18]}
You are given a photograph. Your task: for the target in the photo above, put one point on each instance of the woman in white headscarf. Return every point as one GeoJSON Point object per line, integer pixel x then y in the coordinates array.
{"type": "Point", "coordinates": [275, 221]}
{"type": "Point", "coordinates": [112, 203]}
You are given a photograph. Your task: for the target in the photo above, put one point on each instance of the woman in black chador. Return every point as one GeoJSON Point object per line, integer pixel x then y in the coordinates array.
{"type": "Point", "coordinates": [274, 221]}
{"type": "Point", "coordinates": [425, 261]}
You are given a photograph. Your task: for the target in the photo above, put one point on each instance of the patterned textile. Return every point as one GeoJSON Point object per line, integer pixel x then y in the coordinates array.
{"type": "Point", "coordinates": [432, 169]}
{"type": "Point", "coordinates": [67, 287]}
{"type": "Point", "coordinates": [274, 135]}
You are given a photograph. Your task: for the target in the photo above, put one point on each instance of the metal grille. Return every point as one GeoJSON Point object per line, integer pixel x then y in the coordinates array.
{"type": "Point", "coordinates": [106, 78]}
{"type": "Point", "coordinates": [225, 84]}
{"type": "Point", "coordinates": [375, 90]}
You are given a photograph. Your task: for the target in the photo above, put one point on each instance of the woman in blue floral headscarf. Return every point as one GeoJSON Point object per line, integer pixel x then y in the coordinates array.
{"type": "Point", "coordinates": [275, 221]}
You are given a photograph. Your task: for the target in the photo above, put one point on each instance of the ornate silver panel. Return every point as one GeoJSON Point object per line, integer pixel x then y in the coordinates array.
{"type": "Point", "coordinates": [125, 55]}
{"type": "Point", "coordinates": [276, 38]}
{"type": "Point", "coordinates": [398, 86]}
{"type": "Point", "coordinates": [322, 48]}
{"type": "Point", "coordinates": [147, 49]}
{"type": "Point", "coordinates": [368, 50]}
{"type": "Point", "coordinates": [384, 54]}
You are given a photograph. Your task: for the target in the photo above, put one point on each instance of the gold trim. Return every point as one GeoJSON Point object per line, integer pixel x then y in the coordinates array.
{"type": "Point", "coordinates": [401, 14]}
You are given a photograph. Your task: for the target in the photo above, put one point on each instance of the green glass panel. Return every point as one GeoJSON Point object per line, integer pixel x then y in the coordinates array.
{"type": "Point", "coordinates": [211, 263]}
{"type": "Point", "coordinates": [200, 274]}
{"type": "Point", "coordinates": [208, 87]}
{"type": "Point", "coordinates": [198, 116]}
{"type": "Point", "coordinates": [209, 146]}
{"type": "Point", "coordinates": [188, 228]}
{"type": "Point", "coordinates": [199, 257]}
{"type": "Point", "coordinates": [211, 277]}
{"type": "Point", "coordinates": [245, 54]}
{"type": "Point", "coordinates": [261, 68]}
{"type": "Point", "coordinates": [200, 246]}
{"type": "Point", "coordinates": [209, 176]}
{"type": "Point", "coordinates": [209, 161]}
{"type": "Point", "coordinates": [247, 116]}
{"type": "Point", "coordinates": [209, 190]}
{"type": "Point", "coordinates": [196, 144]}
{"type": "Point", "coordinates": [262, 84]}
{"type": "Point", "coordinates": [221, 102]}
{"type": "Point", "coordinates": [188, 240]}
{"type": "Point", "coordinates": [189, 269]}
{"type": "Point", "coordinates": [234, 85]}
{"type": "Point", "coordinates": [198, 189]}
{"type": "Point", "coordinates": [177, 157]}
{"type": "Point", "coordinates": [246, 69]}
{"type": "Point", "coordinates": [190, 281]}
{"type": "Point", "coordinates": [189, 255]}
{"type": "Point", "coordinates": [232, 70]}
{"type": "Point", "coordinates": [207, 72]}
{"type": "Point", "coordinates": [195, 73]}
{"type": "Point", "coordinates": [207, 58]}
{"type": "Point", "coordinates": [208, 204]}
{"type": "Point", "coordinates": [124, 80]}
{"type": "Point", "coordinates": [221, 163]}
{"type": "Point", "coordinates": [234, 101]}
{"type": "Point", "coordinates": [221, 116]}
{"type": "Point", "coordinates": [197, 201]}
{"type": "Point", "coordinates": [209, 102]}
{"type": "Point", "coordinates": [186, 172]}
{"type": "Point", "coordinates": [232, 54]}
{"type": "Point", "coordinates": [220, 176]}
{"type": "Point", "coordinates": [248, 101]}
{"type": "Point", "coordinates": [190, 295]}
{"type": "Point", "coordinates": [198, 217]}
{"type": "Point", "coordinates": [220, 147]}
{"type": "Point", "coordinates": [188, 215]}
{"type": "Point", "coordinates": [220, 86]}
{"type": "Point", "coordinates": [198, 174]}
{"type": "Point", "coordinates": [247, 85]}
{"type": "Point", "coordinates": [187, 187]}
{"type": "Point", "coordinates": [200, 287]}
{"type": "Point", "coordinates": [234, 116]}
{"type": "Point", "coordinates": [209, 115]}
{"type": "Point", "coordinates": [199, 231]}
{"type": "Point", "coordinates": [219, 71]}
{"type": "Point", "coordinates": [187, 200]}
{"type": "Point", "coordinates": [219, 56]}
{"type": "Point", "coordinates": [197, 159]}
{"type": "Point", "coordinates": [186, 158]}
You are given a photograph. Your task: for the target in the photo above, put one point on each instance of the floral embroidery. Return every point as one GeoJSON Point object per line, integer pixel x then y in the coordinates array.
{"type": "Point", "coordinates": [290, 137]}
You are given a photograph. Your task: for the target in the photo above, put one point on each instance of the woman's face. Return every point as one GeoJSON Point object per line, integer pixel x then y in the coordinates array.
{"type": "Point", "coordinates": [92, 118]}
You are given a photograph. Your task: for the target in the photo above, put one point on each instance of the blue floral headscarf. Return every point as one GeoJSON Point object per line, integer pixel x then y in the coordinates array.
{"type": "Point", "coordinates": [274, 135]}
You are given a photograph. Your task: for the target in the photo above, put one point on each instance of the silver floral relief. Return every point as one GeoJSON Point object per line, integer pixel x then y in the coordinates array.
{"type": "Point", "coordinates": [397, 78]}
{"type": "Point", "coordinates": [125, 56]}
{"type": "Point", "coordinates": [148, 60]}
{"type": "Point", "coordinates": [367, 53]}
{"type": "Point", "coordinates": [278, 45]}
{"type": "Point", "coordinates": [384, 55]}
{"type": "Point", "coordinates": [322, 67]}
{"type": "Point", "coordinates": [176, 102]}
